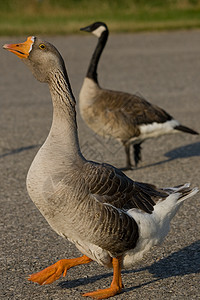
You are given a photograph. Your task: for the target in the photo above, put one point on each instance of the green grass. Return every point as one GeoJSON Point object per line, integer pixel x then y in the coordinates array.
{"type": "Point", "coordinates": [50, 17]}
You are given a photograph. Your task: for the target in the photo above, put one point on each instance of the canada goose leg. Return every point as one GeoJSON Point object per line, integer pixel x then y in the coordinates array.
{"type": "Point", "coordinates": [53, 272]}
{"type": "Point", "coordinates": [137, 153]}
{"type": "Point", "coordinates": [116, 285]}
{"type": "Point", "coordinates": [128, 158]}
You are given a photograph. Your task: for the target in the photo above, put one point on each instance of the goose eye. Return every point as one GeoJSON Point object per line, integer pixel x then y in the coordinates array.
{"type": "Point", "coordinates": [42, 46]}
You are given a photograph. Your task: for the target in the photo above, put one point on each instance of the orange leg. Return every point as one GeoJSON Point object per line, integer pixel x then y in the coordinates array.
{"type": "Point", "coordinates": [53, 272]}
{"type": "Point", "coordinates": [116, 285]}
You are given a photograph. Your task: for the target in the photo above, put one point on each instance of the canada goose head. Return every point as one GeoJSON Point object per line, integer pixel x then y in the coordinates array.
{"type": "Point", "coordinates": [96, 28]}
{"type": "Point", "coordinates": [40, 56]}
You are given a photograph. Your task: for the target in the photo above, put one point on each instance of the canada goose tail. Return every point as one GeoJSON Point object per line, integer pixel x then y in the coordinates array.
{"type": "Point", "coordinates": [185, 129]}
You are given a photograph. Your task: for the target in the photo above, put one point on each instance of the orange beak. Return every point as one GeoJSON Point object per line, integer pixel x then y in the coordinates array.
{"type": "Point", "coordinates": [22, 50]}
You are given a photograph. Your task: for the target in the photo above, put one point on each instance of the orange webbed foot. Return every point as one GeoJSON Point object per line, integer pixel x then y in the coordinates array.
{"type": "Point", "coordinates": [53, 272]}
{"type": "Point", "coordinates": [104, 293]}
{"type": "Point", "coordinates": [116, 285]}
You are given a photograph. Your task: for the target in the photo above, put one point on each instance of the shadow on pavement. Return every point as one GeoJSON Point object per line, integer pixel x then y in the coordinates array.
{"type": "Point", "coordinates": [181, 152]}
{"type": "Point", "coordinates": [180, 263]}
{"type": "Point", "coordinates": [184, 151]}
{"type": "Point", "coordinates": [18, 150]}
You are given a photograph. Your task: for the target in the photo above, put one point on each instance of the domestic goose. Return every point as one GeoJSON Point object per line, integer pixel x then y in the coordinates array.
{"type": "Point", "coordinates": [125, 117]}
{"type": "Point", "coordinates": [110, 218]}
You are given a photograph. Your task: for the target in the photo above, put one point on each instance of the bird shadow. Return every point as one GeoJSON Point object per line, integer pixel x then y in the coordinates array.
{"type": "Point", "coordinates": [187, 151]}
{"type": "Point", "coordinates": [184, 151]}
{"type": "Point", "coordinates": [182, 262]}
{"type": "Point", "coordinates": [18, 150]}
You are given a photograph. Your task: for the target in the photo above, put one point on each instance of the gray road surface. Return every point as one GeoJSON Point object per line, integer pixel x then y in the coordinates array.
{"type": "Point", "coordinates": [164, 68]}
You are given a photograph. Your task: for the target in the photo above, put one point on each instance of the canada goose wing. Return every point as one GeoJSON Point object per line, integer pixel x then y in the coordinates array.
{"type": "Point", "coordinates": [110, 185]}
{"type": "Point", "coordinates": [133, 108]}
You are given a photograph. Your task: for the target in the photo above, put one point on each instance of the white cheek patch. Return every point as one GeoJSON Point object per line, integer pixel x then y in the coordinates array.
{"type": "Point", "coordinates": [99, 31]}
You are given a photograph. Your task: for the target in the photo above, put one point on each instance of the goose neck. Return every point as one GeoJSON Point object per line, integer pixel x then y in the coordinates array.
{"type": "Point", "coordinates": [92, 69]}
{"type": "Point", "coordinates": [63, 133]}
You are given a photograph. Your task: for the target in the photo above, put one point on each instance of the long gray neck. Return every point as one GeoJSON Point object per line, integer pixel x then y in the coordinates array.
{"type": "Point", "coordinates": [63, 136]}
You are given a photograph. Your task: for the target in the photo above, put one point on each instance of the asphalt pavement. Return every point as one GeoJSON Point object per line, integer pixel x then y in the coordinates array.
{"type": "Point", "coordinates": [165, 69]}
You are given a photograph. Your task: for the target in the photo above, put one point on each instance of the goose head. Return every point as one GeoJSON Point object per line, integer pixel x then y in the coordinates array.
{"type": "Point", "coordinates": [97, 28]}
{"type": "Point", "coordinates": [40, 56]}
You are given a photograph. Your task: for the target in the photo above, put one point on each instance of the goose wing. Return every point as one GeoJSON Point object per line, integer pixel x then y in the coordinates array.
{"type": "Point", "coordinates": [134, 108]}
{"type": "Point", "coordinates": [109, 185]}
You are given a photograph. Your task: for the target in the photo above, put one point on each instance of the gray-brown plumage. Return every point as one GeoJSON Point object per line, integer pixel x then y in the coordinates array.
{"type": "Point", "coordinates": [128, 118]}
{"type": "Point", "coordinates": [110, 218]}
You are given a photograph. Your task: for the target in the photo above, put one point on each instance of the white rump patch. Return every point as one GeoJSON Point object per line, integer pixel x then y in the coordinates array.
{"type": "Point", "coordinates": [99, 31]}
{"type": "Point", "coordinates": [155, 129]}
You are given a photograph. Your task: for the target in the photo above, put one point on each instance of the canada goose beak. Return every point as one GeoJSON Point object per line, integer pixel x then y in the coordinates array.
{"type": "Point", "coordinates": [22, 50]}
{"type": "Point", "coordinates": [87, 28]}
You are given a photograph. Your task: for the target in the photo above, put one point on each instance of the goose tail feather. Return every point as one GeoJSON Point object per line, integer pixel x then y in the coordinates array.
{"type": "Point", "coordinates": [185, 129]}
{"type": "Point", "coordinates": [184, 191]}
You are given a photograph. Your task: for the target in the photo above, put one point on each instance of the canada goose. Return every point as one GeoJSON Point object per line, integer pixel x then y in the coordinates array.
{"type": "Point", "coordinates": [125, 117]}
{"type": "Point", "coordinates": [110, 218]}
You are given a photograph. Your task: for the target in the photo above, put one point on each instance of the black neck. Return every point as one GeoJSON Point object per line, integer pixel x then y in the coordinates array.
{"type": "Point", "coordinates": [92, 70]}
